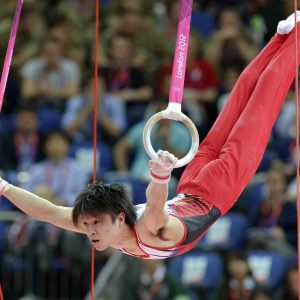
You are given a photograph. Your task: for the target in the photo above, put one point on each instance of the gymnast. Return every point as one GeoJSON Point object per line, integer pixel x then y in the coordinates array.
{"type": "Point", "coordinates": [224, 164]}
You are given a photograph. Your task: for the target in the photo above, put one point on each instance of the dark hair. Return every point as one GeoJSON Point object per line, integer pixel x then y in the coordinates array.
{"type": "Point", "coordinates": [112, 38]}
{"type": "Point", "coordinates": [59, 133]}
{"type": "Point", "coordinates": [237, 255]}
{"type": "Point", "coordinates": [99, 198]}
{"type": "Point", "coordinates": [28, 107]}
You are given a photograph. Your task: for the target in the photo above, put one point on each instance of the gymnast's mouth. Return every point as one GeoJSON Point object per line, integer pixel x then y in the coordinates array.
{"type": "Point", "coordinates": [95, 241]}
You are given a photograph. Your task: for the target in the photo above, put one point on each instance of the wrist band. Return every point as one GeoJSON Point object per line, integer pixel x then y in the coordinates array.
{"type": "Point", "coordinates": [159, 179]}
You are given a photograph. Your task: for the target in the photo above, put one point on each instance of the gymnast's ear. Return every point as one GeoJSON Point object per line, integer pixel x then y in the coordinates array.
{"type": "Point", "coordinates": [121, 217]}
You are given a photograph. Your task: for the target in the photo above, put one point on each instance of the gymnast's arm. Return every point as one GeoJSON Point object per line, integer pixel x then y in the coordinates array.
{"type": "Point", "coordinates": [40, 208]}
{"type": "Point", "coordinates": [155, 216]}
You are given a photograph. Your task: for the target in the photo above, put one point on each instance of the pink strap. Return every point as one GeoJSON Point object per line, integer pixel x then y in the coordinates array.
{"type": "Point", "coordinates": [9, 51]}
{"type": "Point", "coordinates": [181, 49]}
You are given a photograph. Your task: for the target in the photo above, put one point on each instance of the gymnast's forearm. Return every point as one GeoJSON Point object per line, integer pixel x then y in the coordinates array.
{"type": "Point", "coordinates": [156, 217]}
{"type": "Point", "coordinates": [157, 195]}
{"type": "Point", "coordinates": [31, 204]}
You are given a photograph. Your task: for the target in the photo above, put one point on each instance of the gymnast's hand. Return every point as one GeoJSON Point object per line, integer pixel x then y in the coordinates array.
{"type": "Point", "coordinates": [161, 169]}
{"type": "Point", "coordinates": [4, 186]}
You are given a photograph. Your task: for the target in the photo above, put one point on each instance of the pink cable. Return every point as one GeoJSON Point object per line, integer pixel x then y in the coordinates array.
{"type": "Point", "coordinates": [181, 49]}
{"type": "Point", "coordinates": [9, 51]}
{"type": "Point", "coordinates": [7, 61]}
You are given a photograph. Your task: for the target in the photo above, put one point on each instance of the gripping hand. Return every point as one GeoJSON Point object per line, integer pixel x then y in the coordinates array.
{"type": "Point", "coordinates": [160, 170]}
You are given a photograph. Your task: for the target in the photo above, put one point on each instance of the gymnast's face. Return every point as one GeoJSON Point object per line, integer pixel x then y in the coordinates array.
{"type": "Point", "coordinates": [102, 230]}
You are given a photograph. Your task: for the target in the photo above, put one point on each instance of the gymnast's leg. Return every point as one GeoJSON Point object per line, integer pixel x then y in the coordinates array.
{"type": "Point", "coordinates": [222, 180]}
{"type": "Point", "coordinates": [211, 146]}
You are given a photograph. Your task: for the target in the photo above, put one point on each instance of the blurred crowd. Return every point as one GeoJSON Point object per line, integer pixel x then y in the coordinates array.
{"type": "Point", "coordinates": [46, 124]}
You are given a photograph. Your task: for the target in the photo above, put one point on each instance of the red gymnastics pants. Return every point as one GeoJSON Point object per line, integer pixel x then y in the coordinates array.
{"type": "Point", "coordinates": [229, 156]}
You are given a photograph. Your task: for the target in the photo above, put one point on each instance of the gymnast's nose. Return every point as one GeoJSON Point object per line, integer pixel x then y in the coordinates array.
{"type": "Point", "coordinates": [90, 230]}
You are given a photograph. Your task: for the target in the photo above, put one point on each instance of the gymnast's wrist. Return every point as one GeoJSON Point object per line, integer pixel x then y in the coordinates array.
{"type": "Point", "coordinates": [4, 186]}
{"type": "Point", "coordinates": [160, 178]}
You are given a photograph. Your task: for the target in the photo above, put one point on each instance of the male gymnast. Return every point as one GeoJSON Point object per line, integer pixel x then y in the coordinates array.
{"type": "Point", "coordinates": [224, 164]}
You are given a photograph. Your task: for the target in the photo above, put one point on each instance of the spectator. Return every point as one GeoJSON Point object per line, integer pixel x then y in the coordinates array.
{"type": "Point", "coordinates": [229, 45]}
{"type": "Point", "coordinates": [54, 176]}
{"type": "Point", "coordinates": [61, 28]}
{"type": "Point", "coordinates": [239, 283]}
{"type": "Point", "coordinates": [153, 282]}
{"type": "Point", "coordinates": [133, 19]}
{"type": "Point", "coordinates": [274, 226]}
{"type": "Point", "coordinates": [22, 147]}
{"type": "Point", "coordinates": [120, 76]}
{"type": "Point", "coordinates": [124, 80]}
{"type": "Point", "coordinates": [77, 121]}
{"type": "Point", "coordinates": [50, 79]}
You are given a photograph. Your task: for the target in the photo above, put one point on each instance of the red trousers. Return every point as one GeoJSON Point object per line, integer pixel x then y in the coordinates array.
{"type": "Point", "coordinates": [229, 156]}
